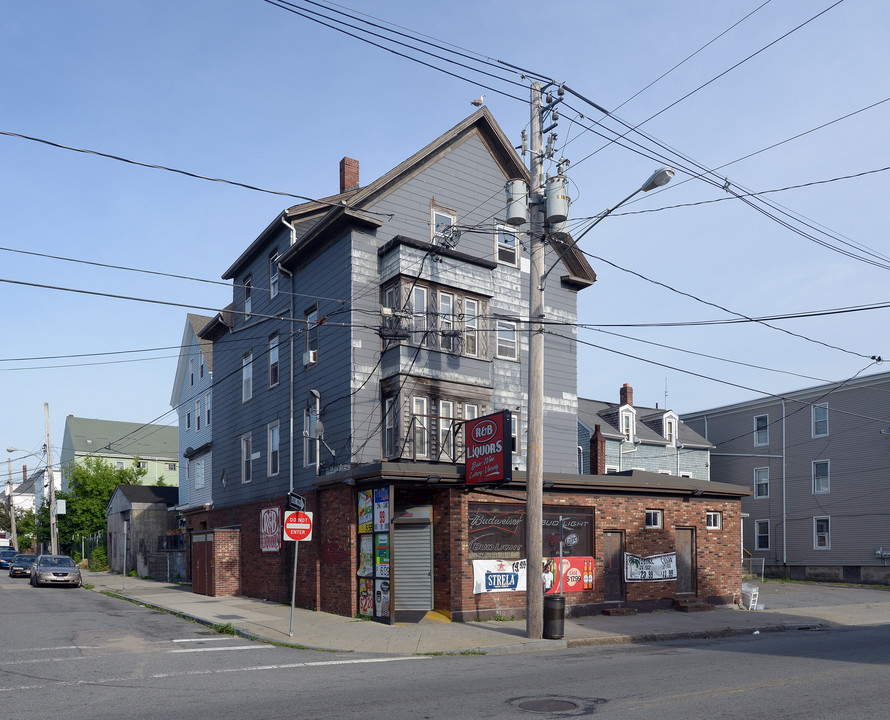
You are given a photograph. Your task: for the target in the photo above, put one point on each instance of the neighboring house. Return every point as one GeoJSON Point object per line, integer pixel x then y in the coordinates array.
{"type": "Point", "coordinates": [816, 461]}
{"type": "Point", "coordinates": [638, 438]}
{"type": "Point", "coordinates": [192, 399]}
{"type": "Point", "coordinates": [29, 493]}
{"type": "Point", "coordinates": [365, 329]}
{"type": "Point", "coordinates": [141, 519]}
{"type": "Point", "coordinates": [155, 447]}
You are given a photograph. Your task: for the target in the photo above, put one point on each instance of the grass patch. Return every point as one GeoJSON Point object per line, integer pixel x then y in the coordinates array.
{"type": "Point", "coordinates": [227, 629]}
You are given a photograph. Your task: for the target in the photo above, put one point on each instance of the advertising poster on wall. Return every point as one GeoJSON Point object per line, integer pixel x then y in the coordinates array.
{"type": "Point", "coordinates": [366, 556]}
{"type": "Point", "coordinates": [381, 555]}
{"type": "Point", "coordinates": [270, 529]}
{"type": "Point", "coordinates": [499, 576]}
{"type": "Point", "coordinates": [381, 598]}
{"type": "Point", "coordinates": [381, 509]}
{"type": "Point", "coordinates": [365, 597]}
{"type": "Point", "coordinates": [365, 511]}
{"type": "Point", "coordinates": [650, 568]}
{"type": "Point", "coordinates": [576, 572]}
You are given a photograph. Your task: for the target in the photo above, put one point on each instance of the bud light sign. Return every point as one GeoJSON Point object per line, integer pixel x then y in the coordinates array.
{"type": "Point", "coordinates": [489, 448]}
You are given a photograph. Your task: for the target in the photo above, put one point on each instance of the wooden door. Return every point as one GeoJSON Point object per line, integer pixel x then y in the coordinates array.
{"type": "Point", "coordinates": [613, 566]}
{"type": "Point", "coordinates": [686, 571]}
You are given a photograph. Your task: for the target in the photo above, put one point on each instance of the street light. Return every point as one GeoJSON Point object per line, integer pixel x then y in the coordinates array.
{"type": "Point", "coordinates": [53, 532]}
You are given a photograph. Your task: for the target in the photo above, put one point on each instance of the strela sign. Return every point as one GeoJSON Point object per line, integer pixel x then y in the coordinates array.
{"type": "Point", "coordinates": [489, 448]}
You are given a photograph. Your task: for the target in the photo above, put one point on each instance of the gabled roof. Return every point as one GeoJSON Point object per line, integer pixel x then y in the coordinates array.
{"type": "Point", "coordinates": [219, 324]}
{"type": "Point", "coordinates": [596, 412]}
{"type": "Point", "coordinates": [148, 494]}
{"type": "Point", "coordinates": [110, 438]}
{"type": "Point", "coordinates": [311, 219]}
{"type": "Point", "coordinates": [193, 325]}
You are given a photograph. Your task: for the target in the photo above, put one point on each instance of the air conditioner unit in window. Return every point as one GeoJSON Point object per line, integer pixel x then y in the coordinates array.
{"type": "Point", "coordinates": [310, 357]}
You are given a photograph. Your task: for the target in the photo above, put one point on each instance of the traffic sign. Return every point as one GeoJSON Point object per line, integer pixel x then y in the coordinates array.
{"type": "Point", "coordinates": [296, 502]}
{"type": "Point", "coordinates": [298, 525]}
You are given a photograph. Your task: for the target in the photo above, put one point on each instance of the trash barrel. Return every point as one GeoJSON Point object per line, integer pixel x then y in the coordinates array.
{"type": "Point", "coordinates": [554, 616]}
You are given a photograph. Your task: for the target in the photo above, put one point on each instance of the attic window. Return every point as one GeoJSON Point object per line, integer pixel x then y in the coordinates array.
{"type": "Point", "coordinates": [627, 425]}
{"type": "Point", "coordinates": [669, 430]}
{"type": "Point", "coordinates": [443, 223]}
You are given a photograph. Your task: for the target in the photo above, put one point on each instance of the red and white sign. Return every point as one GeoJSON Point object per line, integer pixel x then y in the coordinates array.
{"type": "Point", "coordinates": [489, 448]}
{"type": "Point", "coordinates": [298, 525]}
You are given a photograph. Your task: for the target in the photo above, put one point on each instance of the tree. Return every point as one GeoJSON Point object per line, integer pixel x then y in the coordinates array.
{"type": "Point", "coordinates": [90, 487]}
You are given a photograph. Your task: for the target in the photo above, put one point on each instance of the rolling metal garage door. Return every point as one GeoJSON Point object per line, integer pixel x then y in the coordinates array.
{"type": "Point", "coordinates": [413, 566]}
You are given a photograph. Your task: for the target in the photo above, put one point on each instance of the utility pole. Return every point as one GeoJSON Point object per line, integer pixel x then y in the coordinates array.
{"type": "Point", "coordinates": [12, 530]}
{"type": "Point", "coordinates": [53, 531]}
{"type": "Point", "coordinates": [534, 596]}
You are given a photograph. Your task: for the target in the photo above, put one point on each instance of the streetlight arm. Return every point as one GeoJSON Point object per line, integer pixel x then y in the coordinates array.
{"type": "Point", "coordinates": [660, 177]}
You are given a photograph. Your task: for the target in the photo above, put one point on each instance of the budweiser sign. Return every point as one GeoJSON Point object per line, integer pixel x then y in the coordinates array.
{"type": "Point", "coordinates": [489, 448]}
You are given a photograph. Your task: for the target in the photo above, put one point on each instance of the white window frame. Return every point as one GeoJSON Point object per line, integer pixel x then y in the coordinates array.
{"type": "Point", "coordinates": [389, 427]}
{"type": "Point", "coordinates": [199, 473]}
{"type": "Point", "coordinates": [471, 327]}
{"type": "Point", "coordinates": [506, 347]}
{"type": "Point", "coordinates": [446, 321]}
{"type": "Point", "coordinates": [246, 377]}
{"type": "Point", "coordinates": [507, 253]}
{"type": "Point", "coordinates": [188, 419]}
{"type": "Point", "coordinates": [246, 441]}
{"type": "Point", "coordinates": [310, 444]}
{"type": "Point", "coordinates": [761, 435]}
{"type": "Point", "coordinates": [273, 449]}
{"type": "Point", "coordinates": [419, 409]}
{"type": "Point", "coordinates": [822, 490]}
{"type": "Point", "coordinates": [760, 481]}
{"type": "Point", "coordinates": [819, 422]}
{"type": "Point", "coordinates": [611, 469]}
{"type": "Point", "coordinates": [274, 365]}
{"type": "Point", "coordinates": [311, 317]}
{"type": "Point", "coordinates": [248, 297]}
{"type": "Point", "coordinates": [191, 372]}
{"type": "Point", "coordinates": [438, 229]}
{"type": "Point", "coordinates": [758, 534]}
{"type": "Point", "coordinates": [654, 519]}
{"type": "Point", "coordinates": [419, 317]}
{"type": "Point", "coordinates": [580, 460]}
{"type": "Point", "coordinates": [824, 535]}
{"type": "Point", "coordinates": [670, 430]}
{"type": "Point", "coordinates": [514, 433]}
{"type": "Point", "coordinates": [201, 366]}
{"type": "Point", "coordinates": [446, 423]}
{"type": "Point", "coordinates": [198, 415]}
{"type": "Point", "coordinates": [274, 277]}
{"type": "Point", "coordinates": [171, 467]}
{"type": "Point", "coordinates": [714, 520]}
{"type": "Point", "coordinates": [207, 409]}
{"type": "Point", "coordinates": [471, 411]}
{"type": "Point", "coordinates": [142, 464]}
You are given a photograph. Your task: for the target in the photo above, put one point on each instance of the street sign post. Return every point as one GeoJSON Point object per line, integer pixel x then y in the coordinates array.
{"type": "Point", "coordinates": [297, 527]}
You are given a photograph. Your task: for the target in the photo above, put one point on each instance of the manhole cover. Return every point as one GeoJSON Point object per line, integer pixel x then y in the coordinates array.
{"type": "Point", "coordinates": [548, 705]}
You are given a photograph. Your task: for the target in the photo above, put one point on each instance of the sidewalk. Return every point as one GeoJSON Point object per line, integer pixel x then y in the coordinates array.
{"type": "Point", "coordinates": [787, 606]}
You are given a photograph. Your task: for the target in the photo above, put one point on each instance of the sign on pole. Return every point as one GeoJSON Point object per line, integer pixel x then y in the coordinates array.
{"type": "Point", "coordinates": [489, 448]}
{"type": "Point", "coordinates": [297, 525]}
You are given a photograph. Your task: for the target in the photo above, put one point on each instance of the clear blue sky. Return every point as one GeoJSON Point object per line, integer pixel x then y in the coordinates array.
{"type": "Point", "coordinates": [252, 93]}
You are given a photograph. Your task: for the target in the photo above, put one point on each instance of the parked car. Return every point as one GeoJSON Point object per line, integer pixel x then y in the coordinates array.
{"type": "Point", "coordinates": [21, 565]}
{"type": "Point", "coordinates": [55, 570]}
{"type": "Point", "coordinates": [6, 556]}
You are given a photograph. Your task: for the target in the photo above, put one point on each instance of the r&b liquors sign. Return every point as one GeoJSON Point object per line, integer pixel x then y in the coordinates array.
{"type": "Point", "coordinates": [489, 448]}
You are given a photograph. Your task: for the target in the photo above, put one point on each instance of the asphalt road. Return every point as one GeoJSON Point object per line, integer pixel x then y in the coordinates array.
{"type": "Point", "coordinates": [78, 654]}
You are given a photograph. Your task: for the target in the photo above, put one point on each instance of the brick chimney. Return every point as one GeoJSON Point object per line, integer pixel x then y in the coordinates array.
{"type": "Point", "coordinates": [597, 452]}
{"type": "Point", "coordinates": [348, 174]}
{"type": "Point", "coordinates": [627, 395]}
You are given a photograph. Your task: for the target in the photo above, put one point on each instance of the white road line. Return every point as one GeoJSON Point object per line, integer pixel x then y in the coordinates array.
{"type": "Point", "coordinates": [206, 639]}
{"type": "Point", "coordinates": [219, 649]}
{"type": "Point", "coordinates": [256, 668]}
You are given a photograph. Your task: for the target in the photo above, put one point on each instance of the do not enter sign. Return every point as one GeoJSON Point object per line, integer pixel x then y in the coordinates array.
{"type": "Point", "coordinates": [298, 525]}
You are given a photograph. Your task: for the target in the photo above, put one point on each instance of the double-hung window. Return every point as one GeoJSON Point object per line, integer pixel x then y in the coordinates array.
{"type": "Point", "coordinates": [273, 360]}
{"type": "Point", "coordinates": [761, 482]}
{"type": "Point", "coordinates": [820, 420]}
{"type": "Point", "coordinates": [207, 409]}
{"type": "Point", "coordinates": [446, 439]}
{"type": "Point", "coordinates": [821, 478]}
{"type": "Point", "coordinates": [273, 275]}
{"type": "Point", "coordinates": [199, 473]}
{"type": "Point", "coordinates": [389, 427]}
{"type": "Point", "coordinates": [310, 355]}
{"type": "Point", "coordinates": [822, 533]}
{"type": "Point", "coordinates": [246, 458]}
{"type": "Point", "coordinates": [446, 321]}
{"type": "Point", "coordinates": [191, 372]}
{"type": "Point", "coordinates": [761, 534]}
{"type": "Point", "coordinates": [419, 311]}
{"type": "Point", "coordinates": [507, 246]}
{"type": "Point", "coordinates": [198, 415]}
{"type": "Point", "coordinates": [273, 451]}
{"type": "Point", "coordinates": [420, 410]}
{"type": "Point", "coordinates": [443, 227]}
{"type": "Point", "coordinates": [506, 346]}
{"type": "Point", "coordinates": [761, 430]}
{"type": "Point", "coordinates": [248, 297]}
{"type": "Point", "coordinates": [471, 327]}
{"type": "Point", "coordinates": [247, 377]}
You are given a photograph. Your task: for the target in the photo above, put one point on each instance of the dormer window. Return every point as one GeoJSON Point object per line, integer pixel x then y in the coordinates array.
{"type": "Point", "coordinates": [669, 431]}
{"type": "Point", "coordinates": [627, 425]}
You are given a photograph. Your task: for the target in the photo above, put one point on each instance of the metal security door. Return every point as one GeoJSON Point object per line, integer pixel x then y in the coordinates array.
{"type": "Point", "coordinates": [685, 545]}
{"type": "Point", "coordinates": [202, 563]}
{"type": "Point", "coordinates": [412, 558]}
{"type": "Point", "coordinates": [613, 566]}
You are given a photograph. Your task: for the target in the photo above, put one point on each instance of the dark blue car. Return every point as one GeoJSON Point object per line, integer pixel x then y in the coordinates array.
{"type": "Point", "coordinates": [6, 556]}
